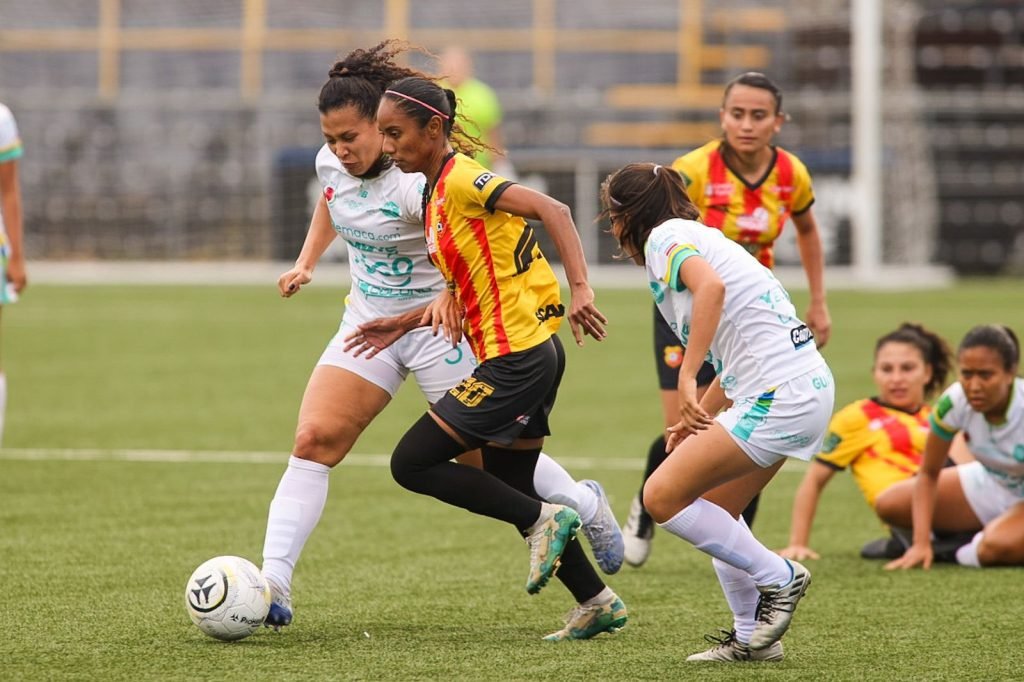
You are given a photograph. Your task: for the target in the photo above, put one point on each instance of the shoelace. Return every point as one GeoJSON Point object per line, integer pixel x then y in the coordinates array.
{"type": "Point", "coordinates": [579, 611]}
{"type": "Point", "coordinates": [767, 607]}
{"type": "Point", "coordinates": [730, 637]}
{"type": "Point", "coordinates": [534, 540]}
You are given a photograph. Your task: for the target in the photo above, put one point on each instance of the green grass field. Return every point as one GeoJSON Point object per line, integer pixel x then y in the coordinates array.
{"type": "Point", "coordinates": [96, 549]}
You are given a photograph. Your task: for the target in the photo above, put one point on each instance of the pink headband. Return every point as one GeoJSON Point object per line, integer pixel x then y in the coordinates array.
{"type": "Point", "coordinates": [422, 104]}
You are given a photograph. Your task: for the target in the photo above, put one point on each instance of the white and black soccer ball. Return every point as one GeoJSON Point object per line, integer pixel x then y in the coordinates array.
{"type": "Point", "coordinates": [227, 598]}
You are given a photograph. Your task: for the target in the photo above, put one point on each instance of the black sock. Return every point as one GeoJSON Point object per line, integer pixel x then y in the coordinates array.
{"type": "Point", "coordinates": [422, 463]}
{"type": "Point", "coordinates": [655, 456]}
{"type": "Point", "coordinates": [515, 467]}
{"type": "Point", "coordinates": [751, 511]}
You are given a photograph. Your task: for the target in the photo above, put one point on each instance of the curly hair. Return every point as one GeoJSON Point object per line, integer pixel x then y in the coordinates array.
{"type": "Point", "coordinates": [421, 99]}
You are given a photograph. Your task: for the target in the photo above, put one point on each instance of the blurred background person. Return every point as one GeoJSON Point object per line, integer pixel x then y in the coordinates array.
{"type": "Point", "coordinates": [12, 257]}
{"type": "Point", "coordinates": [984, 497]}
{"type": "Point", "coordinates": [881, 438]}
{"type": "Point", "coordinates": [479, 104]}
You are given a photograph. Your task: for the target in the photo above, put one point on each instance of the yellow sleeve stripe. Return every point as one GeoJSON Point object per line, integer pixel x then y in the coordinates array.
{"type": "Point", "coordinates": [676, 256]}
{"type": "Point", "coordinates": [12, 151]}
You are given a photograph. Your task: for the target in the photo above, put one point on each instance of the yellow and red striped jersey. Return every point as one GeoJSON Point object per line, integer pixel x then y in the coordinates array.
{"type": "Point", "coordinates": [881, 445]}
{"type": "Point", "coordinates": [491, 259]}
{"type": "Point", "coordinates": [751, 214]}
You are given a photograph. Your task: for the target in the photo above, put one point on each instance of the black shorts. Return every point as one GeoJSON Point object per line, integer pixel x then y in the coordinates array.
{"type": "Point", "coordinates": [668, 357]}
{"type": "Point", "coordinates": [507, 397]}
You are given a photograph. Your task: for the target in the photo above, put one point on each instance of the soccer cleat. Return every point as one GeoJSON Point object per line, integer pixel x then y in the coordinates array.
{"type": "Point", "coordinates": [548, 538]}
{"type": "Point", "coordinates": [776, 605]}
{"type": "Point", "coordinates": [280, 613]}
{"type": "Point", "coordinates": [603, 532]}
{"type": "Point", "coordinates": [728, 649]}
{"type": "Point", "coordinates": [883, 548]}
{"type": "Point", "coordinates": [584, 622]}
{"type": "Point", "coordinates": [637, 534]}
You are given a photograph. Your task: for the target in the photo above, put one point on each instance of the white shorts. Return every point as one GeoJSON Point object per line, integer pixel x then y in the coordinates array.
{"type": "Point", "coordinates": [432, 360]}
{"type": "Point", "coordinates": [788, 420]}
{"type": "Point", "coordinates": [987, 496]}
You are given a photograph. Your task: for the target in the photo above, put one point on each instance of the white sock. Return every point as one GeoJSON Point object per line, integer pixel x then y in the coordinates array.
{"type": "Point", "coordinates": [713, 531]}
{"type": "Point", "coordinates": [968, 554]}
{"type": "Point", "coordinates": [554, 484]}
{"type": "Point", "coordinates": [602, 597]}
{"type": "Point", "coordinates": [741, 593]}
{"type": "Point", "coordinates": [294, 513]}
{"type": "Point", "coordinates": [3, 403]}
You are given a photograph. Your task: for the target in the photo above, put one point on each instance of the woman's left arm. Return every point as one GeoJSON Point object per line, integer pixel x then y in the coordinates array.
{"type": "Point", "coordinates": [584, 317]}
{"type": "Point", "coordinates": [808, 240]}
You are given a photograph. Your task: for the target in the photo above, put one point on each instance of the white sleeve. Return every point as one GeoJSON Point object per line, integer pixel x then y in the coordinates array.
{"type": "Point", "coordinates": [410, 199]}
{"type": "Point", "coordinates": [10, 141]}
{"type": "Point", "coordinates": [951, 411]}
{"type": "Point", "coordinates": [667, 247]}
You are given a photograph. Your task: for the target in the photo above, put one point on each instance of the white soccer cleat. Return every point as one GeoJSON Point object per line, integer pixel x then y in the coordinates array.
{"type": "Point", "coordinates": [637, 534]}
{"type": "Point", "coordinates": [728, 649]}
{"type": "Point", "coordinates": [776, 605]}
{"type": "Point", "coordinates": [603, 532]}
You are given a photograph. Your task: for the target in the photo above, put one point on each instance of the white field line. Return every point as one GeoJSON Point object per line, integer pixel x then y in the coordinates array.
{"type": "Point", "coordinates": [278, 458]}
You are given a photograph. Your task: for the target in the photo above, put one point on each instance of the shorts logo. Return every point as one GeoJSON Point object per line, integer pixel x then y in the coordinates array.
{"type": "Point", "coordinates": [550, 310]}
{"type": "Point", "coordinates": [673, 356]}
{"type": "Point", "coordinates": [471, 392]}
{"type": "Point", "coordinates": [482, 180]}
{"type": "Point", "coordinates": [801, 336]}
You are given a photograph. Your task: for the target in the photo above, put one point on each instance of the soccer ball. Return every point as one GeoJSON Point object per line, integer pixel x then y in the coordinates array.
{"type": "Point", "coordinates": [227, 598]}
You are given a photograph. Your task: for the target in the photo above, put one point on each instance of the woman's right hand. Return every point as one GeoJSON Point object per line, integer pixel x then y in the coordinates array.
{"type": "Point", "coordinates": [798, 553]}
{"type": "Point", "coordinates": [292, 281]}
{"type": "Point", "coordinates": [444, 313]}
{"type": "Point", "coordinates": [916, 555]}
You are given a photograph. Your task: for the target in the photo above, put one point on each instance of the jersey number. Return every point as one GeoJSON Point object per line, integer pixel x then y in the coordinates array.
{"type": "Point", "coordinates": [524, 250]}
{"type": "Point", "coordinates": [471, 392]}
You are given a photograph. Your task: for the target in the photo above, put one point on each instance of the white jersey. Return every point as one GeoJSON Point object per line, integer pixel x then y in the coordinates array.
{"type": "Point", "coordinates": [10, 143]}
{"type": "Point", "coordinates": [381, 221]}
{"type": "Point", "coordinates": [998, 447]}
{"type": "Point", "coordinates": [760, 343]}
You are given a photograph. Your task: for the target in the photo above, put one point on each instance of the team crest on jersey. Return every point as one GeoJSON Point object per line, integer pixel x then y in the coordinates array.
{"type": "Point", "coordinates": [482, 180]}
{"type": "Point", "coordinates": [673, 356]}
{"type": "Point", "coordinates": [722, 191]}
{"type": "Point", "coordinates": [832, 441]}
{"type": "Point", "coordinates": [329, 194]}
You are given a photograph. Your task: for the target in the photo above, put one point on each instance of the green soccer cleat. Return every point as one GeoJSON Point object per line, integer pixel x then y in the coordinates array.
{"type": "Point", "coordinates": [548, 538]}
{"type": "Point", "coordinates": [584, 622]}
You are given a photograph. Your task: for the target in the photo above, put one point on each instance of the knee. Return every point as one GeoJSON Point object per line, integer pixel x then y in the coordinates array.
{"type": "Point", "coordinates": [422, 447]}
{"type": "Point", "coordinates": [317, 443]}
{"type": "Point", "coordinates": [886, 508]}
{"type": "Point", "coordinates": [403, 468]}
{"type": "Point", "coordinates": [999, 550]}
{"type": "Point", "coordinates": [662, 501]}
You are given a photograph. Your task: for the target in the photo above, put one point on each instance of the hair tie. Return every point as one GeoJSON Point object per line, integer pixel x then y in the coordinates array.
{"type": "Point", "coordinates": [422, 104]}
{"type": "Point", "coordinates": [656, 167]}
